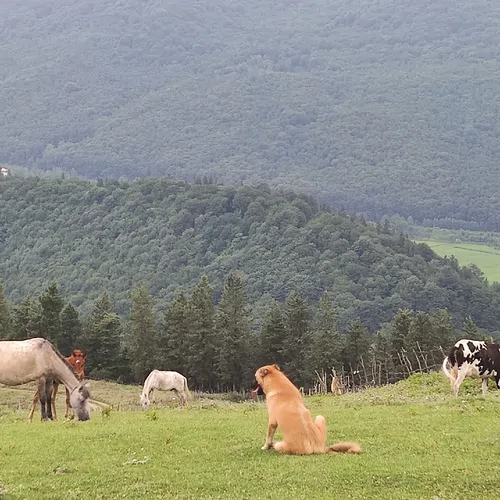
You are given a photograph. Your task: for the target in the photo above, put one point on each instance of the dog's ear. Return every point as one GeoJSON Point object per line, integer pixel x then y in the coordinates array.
{"type": "Point", "coordinates": [277, 367]}
{"type": "Point", "coordinates": [73, 352]}
{"type": "Point", "coordinates": [263, 372]}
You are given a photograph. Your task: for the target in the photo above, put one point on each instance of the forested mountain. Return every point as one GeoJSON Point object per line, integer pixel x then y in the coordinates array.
{"type": "Point", "coordinates": [112, 236]}
{"type": "Point", "coordinates": [379, 107]}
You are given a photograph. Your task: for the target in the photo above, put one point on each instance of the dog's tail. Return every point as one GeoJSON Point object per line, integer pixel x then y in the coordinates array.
{"type": "Point", "coordinates": [445, 369]}
{"type": "Point", "coordinates": [344, 447]}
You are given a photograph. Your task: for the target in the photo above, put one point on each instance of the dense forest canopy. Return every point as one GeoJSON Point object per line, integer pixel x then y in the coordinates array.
{"type": "Point", "coordinates": [111, 236]}
{"type": "Point", "coordinates": [380, 107]}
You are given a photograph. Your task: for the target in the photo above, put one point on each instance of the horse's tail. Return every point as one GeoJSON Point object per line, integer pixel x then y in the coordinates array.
{"type": "Point", "coordinates": [186, 389]}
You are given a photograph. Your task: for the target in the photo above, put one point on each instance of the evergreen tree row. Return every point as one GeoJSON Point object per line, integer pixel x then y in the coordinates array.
{"type": "Point", "coordinates": [215, 347]}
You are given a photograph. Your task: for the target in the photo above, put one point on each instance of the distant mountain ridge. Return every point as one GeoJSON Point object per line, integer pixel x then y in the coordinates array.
{"type": "Point", "coordinates": [386, 107]}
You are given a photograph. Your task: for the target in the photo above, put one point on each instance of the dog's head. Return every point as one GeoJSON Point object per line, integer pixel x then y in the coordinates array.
{"type": "Point", "coordinates": [257, 391]}
{"type": "Point", "coordinates": [262, 375]}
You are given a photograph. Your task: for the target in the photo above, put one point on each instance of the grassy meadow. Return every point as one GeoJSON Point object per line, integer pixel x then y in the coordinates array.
{"type": "Point", "coordinates": [418, 441]}
{"type": "Point", "coordinates": [486, 257]}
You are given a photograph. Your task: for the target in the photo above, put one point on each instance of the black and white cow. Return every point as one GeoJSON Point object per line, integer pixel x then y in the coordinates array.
{"type": "Point", "coordinates": [475, 359]}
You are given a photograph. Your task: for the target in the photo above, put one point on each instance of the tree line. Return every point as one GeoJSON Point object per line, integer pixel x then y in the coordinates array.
{"type": "Point", "coordinates": [94, 236]}
{"type": "Point", "coordinates": [214, 345]}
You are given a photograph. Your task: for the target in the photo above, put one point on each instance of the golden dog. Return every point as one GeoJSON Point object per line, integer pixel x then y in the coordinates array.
{"type": "Point", "coordinates": [286, 410]}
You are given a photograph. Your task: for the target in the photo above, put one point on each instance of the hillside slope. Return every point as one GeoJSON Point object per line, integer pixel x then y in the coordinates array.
{"type": "Point", "coordinates": [113, 236]}
{"type": "Point", "coordinates": [376, 107]}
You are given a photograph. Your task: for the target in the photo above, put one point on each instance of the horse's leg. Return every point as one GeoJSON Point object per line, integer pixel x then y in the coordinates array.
{"type": "Point", "coordinates": [49, 387]}
{"type": "Point", "coordinates": [180, 396]}
{"type": "Point", "coordinates": [183, 397]}
{"type": "Point", "coordinates": [42, 395]}
{"type": "Point", "coordinates": [34, 404]}
{"type": "Point", "coordinates": [54, 394]}
{"type": "Point", "coordinates": [68, 405]}
{"type": "Point", "coordinates": [177, 395]}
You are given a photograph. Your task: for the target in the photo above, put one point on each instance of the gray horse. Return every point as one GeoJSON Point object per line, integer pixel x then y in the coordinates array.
{"type": "Point", "coordinates": [23, 361]}
{"type": "Point", "coordinates": [165, 381]}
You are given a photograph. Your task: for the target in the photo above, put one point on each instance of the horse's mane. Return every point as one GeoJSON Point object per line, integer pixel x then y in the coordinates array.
{"type": "Point", "coordinates": [63, 359]}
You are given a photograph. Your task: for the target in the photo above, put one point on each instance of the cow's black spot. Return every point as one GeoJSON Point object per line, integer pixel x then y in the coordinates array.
{"type": "Point", "coordinates": [472, 347]}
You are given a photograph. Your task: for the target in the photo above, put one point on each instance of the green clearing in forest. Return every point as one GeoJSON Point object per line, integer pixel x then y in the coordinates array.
{"type": "Point", "coordinates": [486, 257]}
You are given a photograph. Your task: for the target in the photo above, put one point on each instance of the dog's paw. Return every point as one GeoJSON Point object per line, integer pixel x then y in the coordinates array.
{"type": "Point", "coordinates": [267, 446]}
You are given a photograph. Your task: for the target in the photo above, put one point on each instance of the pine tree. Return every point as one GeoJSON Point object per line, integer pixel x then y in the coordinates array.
{"type": "Point", "coordinates": [470, 329]}
{"type": "Point", "coordinates": [385, 370]}
{"type": "Point", "coordinates": [71, 328]}
{"type": "Point", "coordinates": [142, 338]}
{"type": "Point", "coordinates": [327, 343]}
{"type": "Point", "coordinates": [52, 305]}
{"type": "Point", "coordinates": [201, 338]}
{"type": "Point", "coordinates": [420, 333]}
{"type": "Point", "coordinates": [102, 340]}
{"type": "Point", "coordinates": [173, 339]}
{"type": "Point", "coordinates": [5, 317]}
{"type": "Point", "coordinates": [272, 338]}
{"type": "Point", "coordinates": [357, 346]}
{"type": "Point", "coordinates": [27, 319]}
{"type": "Point", "coordinates": [442, 332]}
{"type": "Point", "coordinates": [233, 332]}
{"type": "Point", "coordinates": [297, 343]}
{"type": "Point", "coordinates": [106, 352]}
{"type": "Point", "coordinates": [420, 341]}
{"type": "Point", "coordinates": [401, 329]}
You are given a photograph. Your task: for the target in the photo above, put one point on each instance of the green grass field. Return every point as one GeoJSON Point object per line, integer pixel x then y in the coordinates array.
{"type": "Point", "coordinates": [486, 257]}
{"type": "Point", "coordinates": [418, 441]}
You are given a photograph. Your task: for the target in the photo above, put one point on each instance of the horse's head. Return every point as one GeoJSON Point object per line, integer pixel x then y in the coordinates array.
{"type": "Point", "coordinates": [79, 400]}
{"type": "Point", "coordinates": [144, 401]}
{"type": "Point", "coordinates": [77, 359]}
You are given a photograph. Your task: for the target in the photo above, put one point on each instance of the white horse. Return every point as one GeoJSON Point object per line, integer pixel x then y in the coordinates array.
{"type": "Point", "coordinates": [23, 361]}
{"type": "Point", "coordinates": [165, 381]}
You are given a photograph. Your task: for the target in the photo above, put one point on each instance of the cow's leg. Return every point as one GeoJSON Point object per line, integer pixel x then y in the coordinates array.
{"type": "Point", "coordinates": [34, 404]}
{"type": "Point", "coordinates": [460, 378]}
{"type": "Point", "coordinates": [497, 380]}
{"type": "Point", "coordinates": [454, 374]}
{"type": "Point", "coordinates": [484, 386]}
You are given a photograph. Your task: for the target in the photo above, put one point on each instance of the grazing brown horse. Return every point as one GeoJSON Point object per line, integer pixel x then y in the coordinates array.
{"type": "Point", "coordinates": [77, 361]}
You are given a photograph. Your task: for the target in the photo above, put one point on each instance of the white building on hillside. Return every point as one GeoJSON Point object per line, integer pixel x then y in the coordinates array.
{"type": "Point", "coordinates": [4, 171]}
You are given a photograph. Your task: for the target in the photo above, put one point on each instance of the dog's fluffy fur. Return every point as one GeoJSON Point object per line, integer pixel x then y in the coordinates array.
{"type": "Point", "coordinates": [286, 410]}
